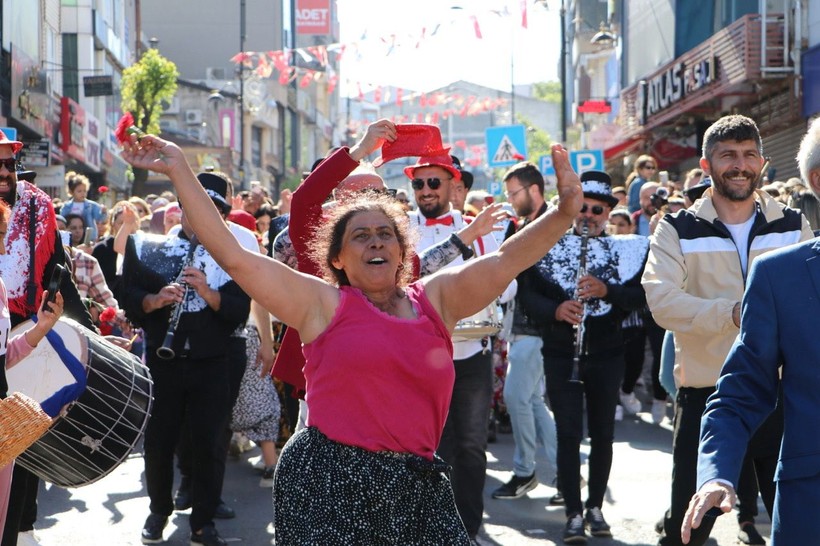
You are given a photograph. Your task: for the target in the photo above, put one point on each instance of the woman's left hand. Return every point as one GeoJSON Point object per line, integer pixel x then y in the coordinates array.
{"type": "Point", "coordinates": [49, 313]}
{"type": "Point", "coordinates": [570, 193]}
{"type": "Point", "coordinates": [153, 153]}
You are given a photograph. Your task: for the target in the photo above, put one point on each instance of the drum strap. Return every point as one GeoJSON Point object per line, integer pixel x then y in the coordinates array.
{"type": "Point", "coordinates": [54, 404]}
{"type": "Point", "coordinates": [32, 243]}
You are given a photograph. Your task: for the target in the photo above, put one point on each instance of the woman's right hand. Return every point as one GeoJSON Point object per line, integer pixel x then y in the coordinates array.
{"type": "Point", "coordinates": [570, 194]}
{"type": "Point", "coordinates": [377, 133]}
{"type": "Point", "coordinates": [153, 153]}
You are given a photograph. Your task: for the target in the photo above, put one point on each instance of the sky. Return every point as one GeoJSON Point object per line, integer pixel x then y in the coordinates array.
{"type": "Point", "coordinates": [422, 45]}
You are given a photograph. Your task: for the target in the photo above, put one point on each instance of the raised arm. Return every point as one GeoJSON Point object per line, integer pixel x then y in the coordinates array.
{"type": "Point", "coordinates": [301, 301]}
{"type": "Point", "coordinates": [462, 291]}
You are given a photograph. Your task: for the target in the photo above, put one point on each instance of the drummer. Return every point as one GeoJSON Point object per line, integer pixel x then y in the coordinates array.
{"type": "Point", "coordinates": [18, 347]}
{"type": "Point", "coordinates": [464, 440]}
{"type": "Point", "coordinates": [29, 203]}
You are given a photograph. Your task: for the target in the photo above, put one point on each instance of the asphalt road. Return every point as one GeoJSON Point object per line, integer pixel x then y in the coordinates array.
{"type": "Point", "coordinates": [112, 511]}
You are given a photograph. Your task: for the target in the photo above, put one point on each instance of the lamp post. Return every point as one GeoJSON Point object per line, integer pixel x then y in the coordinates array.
{"type": "Point", "coordinates": [241, 97]}
{"type": "Point", "coordinates": [563, 76]}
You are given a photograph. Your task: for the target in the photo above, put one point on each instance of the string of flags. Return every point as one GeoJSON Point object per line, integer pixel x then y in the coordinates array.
{"type": "Point", "coordinates": [316, 63]}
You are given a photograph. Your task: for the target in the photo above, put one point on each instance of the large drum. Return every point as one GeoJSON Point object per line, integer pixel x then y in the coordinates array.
{"type": "Point", "coordinates": [486, 322]}
{"type": "Point", "coordinates": [95, 433]}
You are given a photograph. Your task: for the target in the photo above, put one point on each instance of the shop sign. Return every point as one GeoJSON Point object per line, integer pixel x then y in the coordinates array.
{"type": "Point", "coordinates": [72, 129]}
{"type": "Point", "coordinates": [35, 154]}
{"type": "Point", "coordinates": [673, 85]}
{"type": "Point", "coordinates": [93, 151]}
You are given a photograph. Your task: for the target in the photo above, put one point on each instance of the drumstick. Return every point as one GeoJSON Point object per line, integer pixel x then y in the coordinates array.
{"type": "Point", "coordinates": [133, 339]}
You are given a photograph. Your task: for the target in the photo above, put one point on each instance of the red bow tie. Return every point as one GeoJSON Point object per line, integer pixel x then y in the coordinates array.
{"type": "Point", "coordinates": [446, 221]}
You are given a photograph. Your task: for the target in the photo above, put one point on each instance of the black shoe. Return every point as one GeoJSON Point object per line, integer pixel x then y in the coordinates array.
{"type": "Point", "coordinates": [749, 535]}
{"type": "Point", "coordinates": [223, 511]}
{"type": "Point", "coordinates": [152, 530]}
{"type": "Point", "coordinates": [598, 527]}
{"type": "Point", "coordinates": [557, 499]}
{"type": "Point", "coordinates": [659, 525]}
{"type": "Point", "coordinates": [207, 537]}
{"type": "Point", "coordinates": [574, 532]}
{"type": "Point", "coordinates": [182, 499]}
{"type": "Point", "coordinates": [516, 487]}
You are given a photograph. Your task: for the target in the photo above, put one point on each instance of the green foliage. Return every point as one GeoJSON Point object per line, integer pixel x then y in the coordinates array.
{"type": "Point", "coordinates": [145, 85]}
{"type": "Point", "coordinates": [548, 91]}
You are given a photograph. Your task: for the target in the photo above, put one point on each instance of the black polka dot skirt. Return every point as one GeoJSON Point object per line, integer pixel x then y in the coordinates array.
{"type": "Point", "coordinates": [326, 493]}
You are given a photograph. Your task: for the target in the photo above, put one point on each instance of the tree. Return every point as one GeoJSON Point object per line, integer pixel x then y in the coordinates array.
{"type": "Point", "coordinates": [145, 85]}
{"type": "Point", "coordinates": [548, 91]}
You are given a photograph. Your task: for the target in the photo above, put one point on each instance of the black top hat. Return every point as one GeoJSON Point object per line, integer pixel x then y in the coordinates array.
{"type": "Point", "coordinates": [217, 189]}
{"type": "Point", "coordinates": [466, 176]}
{"type": "Point", "coordinates": [695, 192]}
{"type": "Point", "coordinates": [598, 185]}
{"type": "Point", "coordinates": [28, 176]}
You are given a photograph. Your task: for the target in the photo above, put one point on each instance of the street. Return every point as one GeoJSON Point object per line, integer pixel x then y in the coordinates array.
{"type": "Point", "coordinates": [113, 510]}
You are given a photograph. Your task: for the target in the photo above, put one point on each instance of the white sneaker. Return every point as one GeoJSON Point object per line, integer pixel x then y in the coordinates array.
{"type": "Point", "coordinates": [27, 538]}
{"type": "Point", "coordinates": [658, 411]}
{"type": "Point", "coordinates": [619, 413]}
{"type": "Point", "coordinates": [630, 403]}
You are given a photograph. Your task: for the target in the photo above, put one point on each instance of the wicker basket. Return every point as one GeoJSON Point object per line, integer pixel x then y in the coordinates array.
{"type": "Point", "coordinates": [22, 422]}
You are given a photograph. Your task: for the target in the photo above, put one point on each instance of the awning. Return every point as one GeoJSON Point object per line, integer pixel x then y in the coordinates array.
{"type": "Point", "coordinates": [622, 148]}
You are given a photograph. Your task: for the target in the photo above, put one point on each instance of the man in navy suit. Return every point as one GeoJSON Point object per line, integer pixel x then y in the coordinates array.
{"type": "Point", "coordinates": [777, 348]}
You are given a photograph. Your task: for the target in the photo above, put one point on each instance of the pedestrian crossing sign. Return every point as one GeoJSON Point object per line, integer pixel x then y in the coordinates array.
{"type": "Point", "coordinates": [506, 145]}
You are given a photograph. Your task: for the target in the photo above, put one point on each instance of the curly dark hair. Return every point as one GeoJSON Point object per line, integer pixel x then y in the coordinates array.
{"type": "Point", "coordinates": [327, 241]}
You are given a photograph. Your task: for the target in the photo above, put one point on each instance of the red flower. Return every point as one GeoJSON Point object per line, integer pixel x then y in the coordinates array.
{"type": "Point", "coordinates": [108, 315]}
{"type": "Point", "coordinates": [126, 128]}
{"type": "Point", "coordinates": [106, 329]}
{"type": "Point", "coordinates": [103, 189]}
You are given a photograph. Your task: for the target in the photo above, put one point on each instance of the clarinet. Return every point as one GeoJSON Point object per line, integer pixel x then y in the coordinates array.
{"type": "Point", "coordinates": [580, 328]}
{"type": "Point", "coordinates": [166, 351]}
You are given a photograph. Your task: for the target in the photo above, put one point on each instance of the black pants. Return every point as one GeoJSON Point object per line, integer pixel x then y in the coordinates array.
{"type": "Point", "coordinates": [237, 360]}
{"type": "Point", "coordinates": [634, 344]}
{"type": "Point", "coordinates": [22, 512]}
{"type": "Point", "coordinates": [464, 440]}
{"type": "Point", "coordinates": [763, 447]}
{"type": "Point", "coordinates": [199, 390]}
{"type": "Point", "coordinates": [602, 377]}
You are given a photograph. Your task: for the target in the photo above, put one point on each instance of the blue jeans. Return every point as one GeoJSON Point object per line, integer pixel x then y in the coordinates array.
{"type": "Point", "coordinates": [530, 419]}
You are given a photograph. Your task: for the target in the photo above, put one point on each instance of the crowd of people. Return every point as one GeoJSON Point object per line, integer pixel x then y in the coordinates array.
{"type": "Point", "coordinates": [244, 310]}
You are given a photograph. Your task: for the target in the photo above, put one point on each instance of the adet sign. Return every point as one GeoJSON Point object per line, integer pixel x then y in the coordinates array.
{"type": "Point", "coordinates": [313, 17]}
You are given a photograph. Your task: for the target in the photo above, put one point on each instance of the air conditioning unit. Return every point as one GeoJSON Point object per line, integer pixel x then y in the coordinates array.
{"type": "Point", "coordinates": [168, 125]}
{"type": "Point", "coordinates": [171, 107]}
{"type": "Point", "coordinates": [215, 73]}
{"type": "Point", "coordinates": [193, 117]}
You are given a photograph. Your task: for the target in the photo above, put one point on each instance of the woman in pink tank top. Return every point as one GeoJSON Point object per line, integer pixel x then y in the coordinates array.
{"type": "Point", "coordinates": [379, 358]}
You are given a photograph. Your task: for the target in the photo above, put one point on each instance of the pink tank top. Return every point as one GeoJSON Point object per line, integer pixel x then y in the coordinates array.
{"type": "Point", "coordinates": [380, 382]}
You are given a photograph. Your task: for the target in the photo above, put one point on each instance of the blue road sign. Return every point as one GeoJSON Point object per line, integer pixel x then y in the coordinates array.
{"type": "Point", "coordinates": [581, 161]}
{"type": "Point", "coordinates": [506, 145]}
{"type": "Point", "coordinates": [545, 165]}
{"type": "Point", "coordinates": [10, 132]}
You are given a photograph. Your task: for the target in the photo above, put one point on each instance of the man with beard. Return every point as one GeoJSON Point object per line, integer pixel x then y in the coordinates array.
{"type": "Point", "coordinates": [26, 277]}
{"type": "Point", "coordinates": [642, 217]}
{"type": "Point", "coordinates": [523, 387]}
{"type": "Point", "coordinates": [464, 440]}
{"type": "Point", "coordinates": [694, 282]}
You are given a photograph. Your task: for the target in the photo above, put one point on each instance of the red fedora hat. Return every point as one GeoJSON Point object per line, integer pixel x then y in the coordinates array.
{"type": "Point", "coordinates": [443, 160]}
{"type": "Point", "coordinates": [16, 145]}
{"type": "Point", "coordinates": [412, 140]}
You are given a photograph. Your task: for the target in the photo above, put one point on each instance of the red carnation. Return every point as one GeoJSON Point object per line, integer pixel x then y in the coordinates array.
{"type": "Point", "coordinates": [126, 128]}
{"type": "Point", "coordinates": [103, 189]}
{"type": "Point", "coordinates": [108, 314]}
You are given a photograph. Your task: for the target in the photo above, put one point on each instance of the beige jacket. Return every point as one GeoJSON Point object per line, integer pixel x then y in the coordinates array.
{"type": "Point", "coordinates": [693, 278]}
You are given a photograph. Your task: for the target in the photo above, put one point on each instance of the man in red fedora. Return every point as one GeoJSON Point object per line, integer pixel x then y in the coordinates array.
{"type": "Point", "coordinates": [464, 440]}
{"type": "Point", "coordinates": [25, 277]}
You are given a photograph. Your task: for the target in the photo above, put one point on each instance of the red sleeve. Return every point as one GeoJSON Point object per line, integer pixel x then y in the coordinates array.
{"type": "Point", "coordinates": [306, 207]}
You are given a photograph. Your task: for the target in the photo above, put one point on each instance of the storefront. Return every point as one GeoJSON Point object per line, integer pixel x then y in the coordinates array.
{"type": "Point", "coordinates": [734, 71]}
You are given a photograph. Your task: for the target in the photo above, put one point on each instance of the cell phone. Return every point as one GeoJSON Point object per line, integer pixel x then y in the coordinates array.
{"type": "Point", "coordinates": [87, 238]}
{"type": "Point", "coordinates": [54, 284]}
{"type": "Point", "coordinates": [663, 177]}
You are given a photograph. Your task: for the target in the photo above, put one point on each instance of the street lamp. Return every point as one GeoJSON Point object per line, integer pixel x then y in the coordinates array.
{"type": "Point", "coordinates": [241, 97]}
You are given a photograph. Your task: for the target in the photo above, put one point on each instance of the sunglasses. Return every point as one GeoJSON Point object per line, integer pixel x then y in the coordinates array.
{"type": "Point", "coordinates": [597, 210]}
{"type": "Point", "coordinates": [650, 167]}
{"type": "Point", "coordinates": [432, 183]}
{"type": "Point", "coordinates": [10, 164]}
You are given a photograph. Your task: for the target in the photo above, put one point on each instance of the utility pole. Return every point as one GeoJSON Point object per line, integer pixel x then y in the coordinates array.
{"type": "Point", "coordinates": [241, 97]}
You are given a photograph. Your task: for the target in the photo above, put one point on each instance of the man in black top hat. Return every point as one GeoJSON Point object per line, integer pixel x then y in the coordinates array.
{"type": "Point", "coordinates": [194, 382]}
{"type": "Point", "coordinates": [582, 307]}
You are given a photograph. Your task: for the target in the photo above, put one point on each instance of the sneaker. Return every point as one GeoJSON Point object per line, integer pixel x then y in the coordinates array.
{"type": "Point", "coordinates": [207, 537]}
{"type": "Point", "coordinates": [658, 411]}
{"type": "Point", "coordinates": [630, 403]}
{"type": "Point", "coordinates": [516, 488]}
{"type": "Point", "coordinates": [747, 534]}
{"type": "Point", "coordinates": [267, 477]}
{"type": "Point", "coordinates": [152, 530]}
{"type": "Point", "coordinates": [557, 499]}
{"type": "Point", "coordinates": [619, 413]}
{"type": "Point", "coordinates": [223, 511]}
{"type": "Point", "coordinates": [574, 532]}
{"type": "Point", "coordinates": [27, 538]}
{"type": "Point", "coordinates": [598, 527]}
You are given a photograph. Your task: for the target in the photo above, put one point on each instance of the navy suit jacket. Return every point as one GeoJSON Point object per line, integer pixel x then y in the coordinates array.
{"type": "Point", "coordinates": [781, 308]}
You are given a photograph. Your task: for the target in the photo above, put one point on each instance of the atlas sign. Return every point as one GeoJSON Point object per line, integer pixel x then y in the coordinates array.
{"type": "Point", "coordinates": [313, 17]}
{"type": "Point", "coordinates": [673, 84]}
